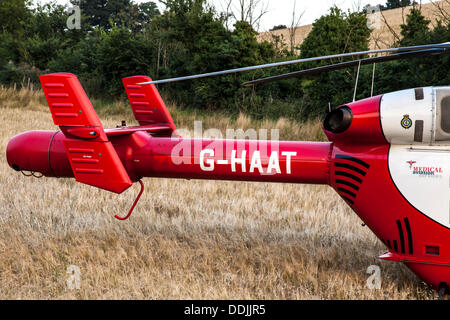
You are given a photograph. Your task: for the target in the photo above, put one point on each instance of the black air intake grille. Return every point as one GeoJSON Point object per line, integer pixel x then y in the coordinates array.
{"type": "Point", "coordinates": [349, 173]}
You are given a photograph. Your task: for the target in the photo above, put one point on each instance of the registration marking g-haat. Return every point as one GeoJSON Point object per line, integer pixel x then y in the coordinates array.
{"type": "Point", "coordinates": [207, 163]}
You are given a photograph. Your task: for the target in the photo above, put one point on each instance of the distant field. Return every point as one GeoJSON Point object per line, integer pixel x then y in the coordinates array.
{"type": "Point", "coordinates": [387, 25]}
{"type": "Point", "coordinates": [186, 239]}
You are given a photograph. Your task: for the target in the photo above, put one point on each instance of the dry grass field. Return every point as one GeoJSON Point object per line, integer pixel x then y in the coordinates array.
{"type": "Point", "coordinates": [186, 239]}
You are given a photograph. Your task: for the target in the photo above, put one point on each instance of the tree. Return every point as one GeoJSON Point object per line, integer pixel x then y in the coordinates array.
{"type": "Point", "coordinates": [416, 28]}
{"type": "Point", "coordinates": [13, 16]}
{"type": "Point", "coordinates": [278, 27]}
{"type": "Point", "coordinates": [250, 11]}
{"type": "Point", "coordinates": [96, 12]}
{"type": "Point", "coordinates": [295, 22]}
{"type": "Point", "coordinates": [393, 4]}
{"type": "Point", "coordinates": [8, 49]}
{"type": "Point", "coordinates": [120, 53]}
{"type": "Point", "coordinates": [442, 9]}
{"type": "Point", "coordinates": [418, 72]}
{"type": "Point", "coordinates": [191, 38]}
{"type": "Point", "coordinates": [147, 11]}
{"type": "Point", "coordinates": [108, 13]}
{"type": "Point", "coordinates": [337, 32]}
{"type": "Point", "coordinates": [47, 20]}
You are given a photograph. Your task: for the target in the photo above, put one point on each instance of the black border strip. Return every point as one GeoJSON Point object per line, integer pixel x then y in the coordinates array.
{"type": "Point", "coordinates": [389, 244]}
{"type": "Point", "coordinates": [349, 184]}
{"type": "Point", "coordinates": [395, 245]}
{"type": "Point", "coordinates": [409, 234]}
{"type": "Point", "coordinates": [350, 158]}
{"type": "Point", "coordinates": [379, 119]}
{"type": "Point", "coordinates": [350, 167]}
{"type": "Point", "coordinates": [402, 239]}
{"type": "Point", "coordinates": [348, 175]}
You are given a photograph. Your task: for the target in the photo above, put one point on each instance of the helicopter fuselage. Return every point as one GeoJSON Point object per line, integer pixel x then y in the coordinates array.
{"type": "Point", "coordinates": [388, 157]}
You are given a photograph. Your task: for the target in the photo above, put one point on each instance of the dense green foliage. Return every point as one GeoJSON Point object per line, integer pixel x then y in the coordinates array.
{"type": "Point", "coordinates": [394, 4]}
{"type": "Point", "coordinates": [336, 32]}
{"type": "Point", "coordinates": [119, 38]}
{"type": "Point", "coordinates": [421, 71]}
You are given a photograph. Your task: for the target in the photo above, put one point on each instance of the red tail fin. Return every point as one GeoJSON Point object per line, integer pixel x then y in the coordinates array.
{"type": "Point", "coordinates": [93, 159]}
{"type": "Point", "coordinates": [146, 102]}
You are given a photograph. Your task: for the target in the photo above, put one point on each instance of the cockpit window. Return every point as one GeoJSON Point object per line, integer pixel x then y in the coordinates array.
{"type": "Point", "coordinates": [445, 114]}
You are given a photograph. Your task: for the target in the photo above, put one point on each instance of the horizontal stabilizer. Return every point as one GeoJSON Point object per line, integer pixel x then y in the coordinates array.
{"type": "Point", "coordinates": [93, 159]}
{"type": "Point", "coordinates": [147, 105]}
{"type": "Point", "coordinates": [67, 100]}
{"type": "Point", "coordinates": [97, 164]}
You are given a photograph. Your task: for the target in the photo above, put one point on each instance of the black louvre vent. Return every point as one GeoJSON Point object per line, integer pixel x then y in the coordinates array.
{"type": "Point", "coordinates": [349, 174]}
{"type": "Point", "coordinates": [402, 237]}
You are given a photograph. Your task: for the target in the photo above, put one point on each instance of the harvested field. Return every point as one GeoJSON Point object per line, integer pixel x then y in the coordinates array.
{"type": "Point", "coordinates": [186, 239]}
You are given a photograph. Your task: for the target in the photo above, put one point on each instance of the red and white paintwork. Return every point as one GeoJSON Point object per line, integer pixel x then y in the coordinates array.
{"type": "Point", "coordinates": [371, 164]}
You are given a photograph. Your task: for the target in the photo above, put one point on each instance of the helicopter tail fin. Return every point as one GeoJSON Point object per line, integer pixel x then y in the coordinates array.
{"type": "Point", "coordinates": [147, 105]}
{"type": "Point", "coordinates": [92, 157]}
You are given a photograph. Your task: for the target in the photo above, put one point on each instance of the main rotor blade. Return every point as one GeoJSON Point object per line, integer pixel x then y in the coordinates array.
{"type": "Point", "coordinates": [337, 66]}
{"type": "Point", "coordinates": [283, 63]}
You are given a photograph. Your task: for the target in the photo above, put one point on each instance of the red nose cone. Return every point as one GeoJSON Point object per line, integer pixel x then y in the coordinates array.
{"type": "Point", "coordinates": [29, 151]}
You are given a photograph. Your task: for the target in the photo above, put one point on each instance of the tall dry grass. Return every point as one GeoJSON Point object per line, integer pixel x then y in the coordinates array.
{"type": "Point", "coordinates": [186, 239]}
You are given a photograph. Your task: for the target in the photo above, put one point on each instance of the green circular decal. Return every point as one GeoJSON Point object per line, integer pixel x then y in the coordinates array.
{"type": "Point", "coordinates": [406, 122]}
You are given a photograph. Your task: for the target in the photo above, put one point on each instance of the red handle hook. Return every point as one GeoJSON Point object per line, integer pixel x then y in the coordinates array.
{"type": "Point", "coordinates": [134, 204]}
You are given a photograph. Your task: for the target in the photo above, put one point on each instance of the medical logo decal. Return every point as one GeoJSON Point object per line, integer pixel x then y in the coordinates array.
{"type": "Point", "coordinates": [425, 171]}
{"type": "Point", "coordinates": [406, 122]}
{"type": "Point", "coordinates": [411, 163]}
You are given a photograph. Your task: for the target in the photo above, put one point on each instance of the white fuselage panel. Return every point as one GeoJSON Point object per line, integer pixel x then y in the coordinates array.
{"type": "Point", "coordinates": [419, 155]}
{"type": "Point", "coordinates": [421, 174]}
{"type": "Point", "coordinates": [400, 112]}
